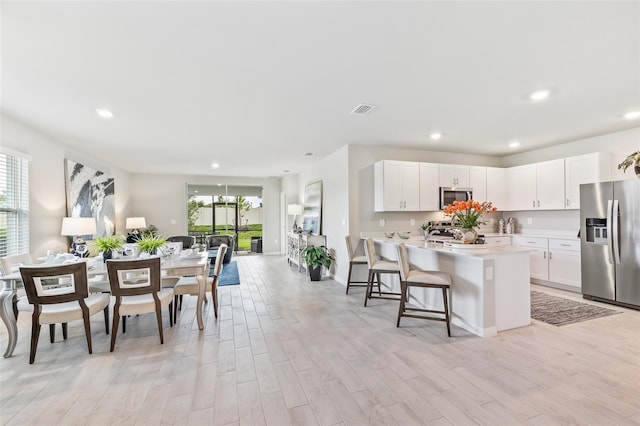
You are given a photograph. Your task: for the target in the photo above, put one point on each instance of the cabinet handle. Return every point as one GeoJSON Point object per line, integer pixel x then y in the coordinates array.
{"type": "Point", "coordinates": [565, 245]}
{"type": "Point", "coordinates": [534, 203]}
{"type": "Point", "coordinates": [568, 203]}
{"type": "Point", "coordinates": [538, 203]}
{"type": "Point", "coordinates": [550, 255]}
{"type": "Point", "coordinates": [531, 242]}
{"type": "Point", "coordinates": [545, 254]}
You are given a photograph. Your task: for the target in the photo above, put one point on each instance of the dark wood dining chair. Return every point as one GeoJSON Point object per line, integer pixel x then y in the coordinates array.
{"type": "Point", "coordinates": [69, 301]}
{"type": "Point", "coordinates": [136, 285]}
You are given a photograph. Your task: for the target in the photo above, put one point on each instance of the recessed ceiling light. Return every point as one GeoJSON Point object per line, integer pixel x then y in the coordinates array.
{"type": "Point", "coordinates": [215, 165]}
{"type": "Point", "coordinates": [195, 191]}
{"type": "Point", "coordinates": [632, 115]}
{"type": "Point", "coordinates": [435, 136]}
{"type": "Point", "coordinates": [104, 113]}
{"type": "Point", "coordinates": [539, 95]}
{"type": "Point", "coordinates": [514, 144]}
{"type": "Point", "coordinates": [308, 154]}
{"type": "Point", "coordinates": [286, 171]}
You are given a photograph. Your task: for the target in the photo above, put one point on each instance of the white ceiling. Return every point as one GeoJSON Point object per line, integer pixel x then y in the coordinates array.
{"type": "Point", "coordinates": [255, 85]}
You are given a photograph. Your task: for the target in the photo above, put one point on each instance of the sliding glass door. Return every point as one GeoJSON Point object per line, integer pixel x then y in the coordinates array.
{"type": "Point", "coordinates": [232, 210]}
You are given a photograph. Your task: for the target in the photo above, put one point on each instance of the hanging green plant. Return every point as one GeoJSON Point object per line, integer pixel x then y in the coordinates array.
{"type": "Point", "coordinates": [632, 160]}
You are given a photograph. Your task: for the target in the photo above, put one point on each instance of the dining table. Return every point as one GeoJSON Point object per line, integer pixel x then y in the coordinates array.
{"type": "Point", "coordinates": [196, 263]}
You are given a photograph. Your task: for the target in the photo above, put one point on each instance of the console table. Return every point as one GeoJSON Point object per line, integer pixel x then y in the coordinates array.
{"type": "Point", "coordinates": [295, 244]}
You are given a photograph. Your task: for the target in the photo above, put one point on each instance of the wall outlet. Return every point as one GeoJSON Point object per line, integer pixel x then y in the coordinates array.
{"type": "Point", "coordinates": [413, 222]}
{"type": "Point", "coordinates": [173, 221]}
{"type": "Point", "coordinates": [529, 221]}
{"type": "Point", "coordinates": [488, 272]}
{"type": "Point", "coordinates": [382, 222]}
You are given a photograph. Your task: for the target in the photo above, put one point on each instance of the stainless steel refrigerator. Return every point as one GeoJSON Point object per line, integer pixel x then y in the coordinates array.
{"type": "Point", "coordinates": [610, 240]}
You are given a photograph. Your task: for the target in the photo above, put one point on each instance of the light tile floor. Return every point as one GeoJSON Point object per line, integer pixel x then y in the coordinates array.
{"type": "Point", "coordinates": [288, 351]}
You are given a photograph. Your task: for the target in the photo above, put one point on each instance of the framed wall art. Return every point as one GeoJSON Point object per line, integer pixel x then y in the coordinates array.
{"type": "Point", "coordinates": [90, 193]}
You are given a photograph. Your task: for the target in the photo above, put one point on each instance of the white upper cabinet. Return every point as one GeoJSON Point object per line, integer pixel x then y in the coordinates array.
{"type": "Point", "coordinates": [396, 186]}
{"type": "Point", "coordinates": [497, 187]}
{"type": "Point", "coordinates": [452, 175]}
{"type": "Point", "coordinates": [538, 186]}
{"type": "Point", "coordinates": [550, 188]}
{"type": "Point", "coordinates": [588, 168]}
{"type": "Point", "coordinates": [521, 187]}
{"type": "Point", "coordinates": [478, 182]}
{"type": "Point", "coordinates": [429, 187]}
{"type": "Point", "coordinates": [548, 185]}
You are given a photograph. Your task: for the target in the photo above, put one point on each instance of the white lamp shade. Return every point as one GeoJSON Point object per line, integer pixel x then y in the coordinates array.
{"type": "Point", "coordinates": [294, 209]}
{"type": "Point", "coordinates": [74, 226]}
{"type": "Point", "coordinates": [135, 223]}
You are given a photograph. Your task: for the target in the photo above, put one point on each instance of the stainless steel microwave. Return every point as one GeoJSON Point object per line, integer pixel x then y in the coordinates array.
{"type": "Point", "coordinates": [449, 195]}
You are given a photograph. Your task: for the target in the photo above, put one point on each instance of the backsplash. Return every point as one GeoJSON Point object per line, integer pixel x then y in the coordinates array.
{"type": "Point", "coordinates": [562, 220]}
{"type": "Point", "coordinates": [566, 221]}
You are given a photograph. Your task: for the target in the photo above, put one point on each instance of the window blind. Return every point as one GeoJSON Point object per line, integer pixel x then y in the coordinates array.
{"type": "Point", "coordinates": [14, 203]}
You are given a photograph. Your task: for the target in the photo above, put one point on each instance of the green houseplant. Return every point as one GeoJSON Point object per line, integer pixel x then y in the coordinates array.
{"type": "Point", "coordinates": [150, 243]}
{"type": "Point", "coordinates": [632, 160]}
{"type": "Point", "coordinates": [316, 257]}
{"type": "Point", "coordinates": [108, 244]}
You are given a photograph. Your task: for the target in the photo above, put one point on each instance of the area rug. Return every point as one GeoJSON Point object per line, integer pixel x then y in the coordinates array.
{"type": "Point", "coordinates": [559, 311]}
{"type": "Point", "coordinates": [229, 274]}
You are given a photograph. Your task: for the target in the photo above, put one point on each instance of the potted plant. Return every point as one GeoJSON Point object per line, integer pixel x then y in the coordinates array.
{"type": "Point", "coordinates": [316, 257]}
{"type": "Point", "coordinates": [426, 228]}
{"type": "Point", "coordinates": [467, 215]}
{"type": "Point", "coordinates": [108, 244]}
{"type": "Point", "coordinates": [150, 243]}
{"type": "Point", "coordinates": [632, 160]}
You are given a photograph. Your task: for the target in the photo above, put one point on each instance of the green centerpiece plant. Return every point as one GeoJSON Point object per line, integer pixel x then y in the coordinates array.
{"type": "Point", "coordinates": [108, 244]}
{"type": "Point", "coordinates": [151, 243]}
{"type": "Point", "coordinates": [316, 257]}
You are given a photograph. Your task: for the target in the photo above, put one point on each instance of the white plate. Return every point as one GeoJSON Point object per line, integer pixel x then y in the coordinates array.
{"type": "Point", "coordinates": [451, 244]}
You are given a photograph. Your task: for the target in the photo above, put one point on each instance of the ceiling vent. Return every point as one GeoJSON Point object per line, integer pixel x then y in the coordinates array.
{"type": "Point", "coordinates": [362, 109]}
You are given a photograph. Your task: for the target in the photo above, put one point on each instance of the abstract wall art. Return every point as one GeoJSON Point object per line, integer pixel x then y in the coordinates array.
{"type": "Point", "coordinates": [90, 193]}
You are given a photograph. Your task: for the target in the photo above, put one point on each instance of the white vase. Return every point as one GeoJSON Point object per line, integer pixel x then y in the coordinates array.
{"type": "Point", "coordinates": [469, 235]}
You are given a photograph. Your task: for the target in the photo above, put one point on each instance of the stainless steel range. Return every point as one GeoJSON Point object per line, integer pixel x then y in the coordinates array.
{"type": "Point", "coordinates": [440, 231]}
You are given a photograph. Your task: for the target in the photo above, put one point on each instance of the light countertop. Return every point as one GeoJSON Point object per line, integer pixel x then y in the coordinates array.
{"type": "Point", "coordinates": [474, 250]}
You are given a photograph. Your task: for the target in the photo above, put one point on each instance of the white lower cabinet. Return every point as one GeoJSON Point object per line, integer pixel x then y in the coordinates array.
{"type": "Point", "coordinates": [564, 262]}
{"type": "Point", "coordinates": [539, 264]}
{"type": "Point", "coordinates": [555, 261]}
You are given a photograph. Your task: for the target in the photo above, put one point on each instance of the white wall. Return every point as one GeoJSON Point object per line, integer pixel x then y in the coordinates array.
{"type": "Point", "coordinates": [47, 196]}
{"type": "Point", "coordinates": [333, 172]}
{"type": "Point", "coordinates": [161, 199]}
{"type": "Point", "coordinates": [289, 185]}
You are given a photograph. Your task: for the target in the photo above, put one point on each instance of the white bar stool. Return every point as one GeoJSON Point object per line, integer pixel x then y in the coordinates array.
{"type": "Point", "coordinates": [378, 266]}
{"type": "Point", "coordinates": [425, 279]}
{"type": "Point", "coordinates": [354, 260]}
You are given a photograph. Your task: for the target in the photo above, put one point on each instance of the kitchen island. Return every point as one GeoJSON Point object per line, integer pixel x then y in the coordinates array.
{"type": "Point", "coordinates": [490, 290]}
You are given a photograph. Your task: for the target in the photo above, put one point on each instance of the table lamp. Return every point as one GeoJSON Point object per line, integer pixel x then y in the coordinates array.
{"type": "Point", "coordinates": [294, 210]}
{"type": "Point", "coordinates": [134, 223]}
{"type": "Point", "coordinates": [77, 227]}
